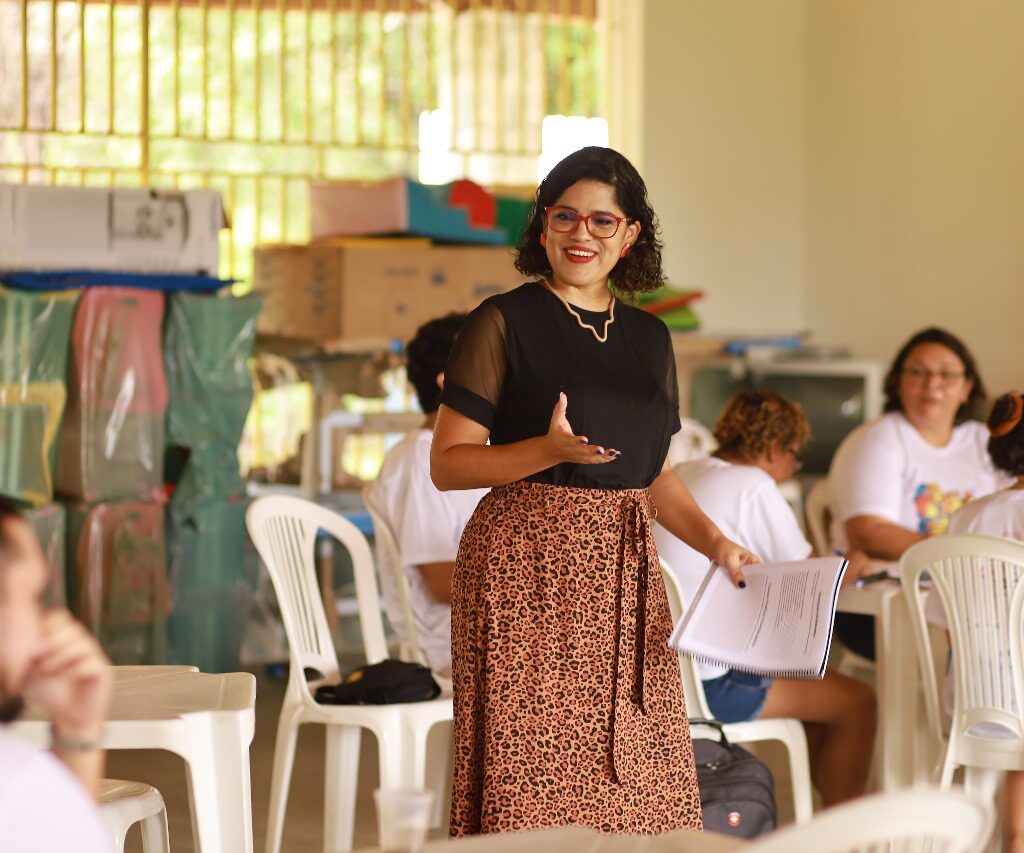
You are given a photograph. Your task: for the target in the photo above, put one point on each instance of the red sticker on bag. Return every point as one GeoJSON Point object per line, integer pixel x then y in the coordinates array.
{"type": "Point", "coordinates": [735, 819]}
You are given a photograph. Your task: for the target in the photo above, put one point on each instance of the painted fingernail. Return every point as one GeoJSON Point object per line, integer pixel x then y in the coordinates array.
{"type": "Point", "coordinates": [743, 584]}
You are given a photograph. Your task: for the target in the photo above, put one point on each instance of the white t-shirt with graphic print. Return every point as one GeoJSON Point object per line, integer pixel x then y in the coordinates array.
{"type": "Point", "coordinates": [886, 468]}
{"type": "Point", "coordinates": [748, 507]}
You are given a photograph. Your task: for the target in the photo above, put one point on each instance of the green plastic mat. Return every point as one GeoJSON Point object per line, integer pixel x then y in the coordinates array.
{"type": "Point", "coordinates": [49, 523]}
{"type": "Point", "coordinates": [211, 584]}
{"type": "Point", "coordinates": [208, 341]}
{"type": "Point", "coordinates": [34, 332]}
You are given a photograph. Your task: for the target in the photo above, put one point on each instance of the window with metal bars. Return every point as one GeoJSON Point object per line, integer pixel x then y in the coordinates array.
{"type": "Point", "coordinates": [257, 97]}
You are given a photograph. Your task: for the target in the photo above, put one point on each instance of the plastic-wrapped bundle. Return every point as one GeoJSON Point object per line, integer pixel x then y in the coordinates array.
{"type": "Point", "coordinates": [34, 330]}
{"type": "Point", "coordinates": [211, 584]}
{"type": "Point", "coordinates": [111, 443]}
{"type": "Point", "coordinates": [207, 345]}
{"type": "Point", "coordinates": [49, 523]}
{"type": "Point", "coordinates": [118, 577]}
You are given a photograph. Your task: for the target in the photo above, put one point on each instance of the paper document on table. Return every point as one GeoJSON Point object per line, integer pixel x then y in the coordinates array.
{"type": "Point", "coordinates": [780, 625]}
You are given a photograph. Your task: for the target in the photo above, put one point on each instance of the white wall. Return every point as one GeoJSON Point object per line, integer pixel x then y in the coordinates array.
{"type": "Point", "coordinates": [723, 153]}
{"type": "Point", "coordinates": [854, 167]}
{"type": "Point", "coordinates": [915, 165]}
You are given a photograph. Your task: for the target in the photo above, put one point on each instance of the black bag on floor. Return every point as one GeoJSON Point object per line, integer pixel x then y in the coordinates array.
{"type": "Point", "coordinates": [384, 683]}
{"type": "Point", "coordinates": [737, 792]}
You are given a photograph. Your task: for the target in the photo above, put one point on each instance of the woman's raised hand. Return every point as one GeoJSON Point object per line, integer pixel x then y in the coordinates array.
{"type": "Point", "coordinates": [564, 446]}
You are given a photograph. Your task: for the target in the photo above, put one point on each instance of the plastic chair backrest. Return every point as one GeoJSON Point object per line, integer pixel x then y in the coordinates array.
{"type": "Point", "coordinates": [693, 687]}
{"type": "Point", "coordinates": [816, 515]}
{"type": "Point", "coordinates": [978, 581]}
{"type": "Point", "coordinates": [284, 531]}
{"type": "Point", "coordinates": [906, 821]}
{"type": "Point", "coordinates": [387, 543]}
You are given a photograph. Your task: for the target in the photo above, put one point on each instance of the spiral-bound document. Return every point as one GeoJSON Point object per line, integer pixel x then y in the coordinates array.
{"type": "Point", "coordinates": [780, 625]}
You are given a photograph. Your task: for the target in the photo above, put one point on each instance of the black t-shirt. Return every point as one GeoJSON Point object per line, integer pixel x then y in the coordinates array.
{"type": "Point", "coordinates": [518, 350]}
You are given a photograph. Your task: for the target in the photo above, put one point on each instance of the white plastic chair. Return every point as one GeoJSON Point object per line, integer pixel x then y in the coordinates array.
{"type": "Point", "coordinates": [124, 804]}
{"type": "Point", "coordinates": [978, 581]}
{"type": "Point", "coordinates": [387, 542]}
{"type": "Point", "coordinates": [816, 516]}
{"type": "Point", "coordinates": [284, 530]}
{"type": "Point", "coordinates": [788, 731]}
{"type": "Point", "coordinates": [817, 520]}
{"type": "Point", "coordinates": [907, 821]}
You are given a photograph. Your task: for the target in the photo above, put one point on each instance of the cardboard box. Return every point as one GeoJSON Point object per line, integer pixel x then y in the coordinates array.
{"type": "Point", "coordinates": [362, 292]}
{"type": "Point", "coordinates": [126, 229]}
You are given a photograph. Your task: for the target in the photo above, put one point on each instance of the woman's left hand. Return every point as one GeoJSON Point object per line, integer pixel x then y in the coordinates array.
{"type": "Point", "coordinates": [733, 558]}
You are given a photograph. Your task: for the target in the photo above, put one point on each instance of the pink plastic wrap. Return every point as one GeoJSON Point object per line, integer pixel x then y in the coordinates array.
{"type": "Point", "coordinates": [119, 577]}
{"type": "Point", "coordinates": [111, 442]}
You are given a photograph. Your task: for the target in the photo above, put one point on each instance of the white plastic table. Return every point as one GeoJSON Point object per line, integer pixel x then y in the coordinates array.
{"type": "Point", "coordinates": [207, 719]}
{"type": "Point", "coordinates": [581, 840]}
{"type": "Point", "coordinates": [897, 680]}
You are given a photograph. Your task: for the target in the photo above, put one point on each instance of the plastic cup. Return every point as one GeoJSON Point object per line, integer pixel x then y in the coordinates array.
{"type": "Point", "coordinates": [403, 817]}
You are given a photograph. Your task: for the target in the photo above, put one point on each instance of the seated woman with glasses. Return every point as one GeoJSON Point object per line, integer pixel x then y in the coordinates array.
{"type": "Point", "coordinates": [761, 436]}
{"type": "Point", "coordinates": [898, 479]}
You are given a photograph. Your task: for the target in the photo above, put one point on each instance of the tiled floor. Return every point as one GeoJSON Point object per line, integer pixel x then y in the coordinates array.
{"type": "Point", "coordinates": [304, 822]}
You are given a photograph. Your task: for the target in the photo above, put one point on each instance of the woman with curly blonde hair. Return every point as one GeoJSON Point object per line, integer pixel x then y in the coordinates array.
{"type": "Point", "coordinates": [761, 436]}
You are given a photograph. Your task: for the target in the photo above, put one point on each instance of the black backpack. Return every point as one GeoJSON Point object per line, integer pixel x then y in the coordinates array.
{"type": "Point", "coordinates": [737, 792]}
{"type": "Point", "coordinates": [384, 683]}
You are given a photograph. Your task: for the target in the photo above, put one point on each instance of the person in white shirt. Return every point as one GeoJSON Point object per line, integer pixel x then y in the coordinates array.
{"type": "Point", "coordinates": [1002, 514]}
{"type": "Point", "coordinates": [427, 523]}
{"type": "Point", "coordinates": [761, 436]}
{"type": "Point", "coordinates": [898, 479]}
{"type": "Point", "coordinates": [47, 798]}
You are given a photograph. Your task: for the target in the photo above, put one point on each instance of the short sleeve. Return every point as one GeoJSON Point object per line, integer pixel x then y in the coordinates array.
{"type": "Point", "coordinates": [477, 365]}
{"type": "Point", "coordinates": [427, 529]}
{"type": "Point", "coordinates": [865, 479]}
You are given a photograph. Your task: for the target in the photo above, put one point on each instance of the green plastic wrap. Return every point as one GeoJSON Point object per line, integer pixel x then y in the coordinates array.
{"type": "Point", "coordinates": [34, 331]}
{"type": "Point", "coordinates": [211, 584]}
{"type": "Point", "coordinates": [50, 523]}
{"type": "Point", "coordinates": [117, 577]}
{"type": "Point", "coordinates": [207, 345]}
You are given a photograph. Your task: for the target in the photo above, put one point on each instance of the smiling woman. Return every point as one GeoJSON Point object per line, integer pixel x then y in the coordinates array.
{"type": "Point", "coordinates": [562, 398]}
{"type": "Point", "coordinates": [897, 480]}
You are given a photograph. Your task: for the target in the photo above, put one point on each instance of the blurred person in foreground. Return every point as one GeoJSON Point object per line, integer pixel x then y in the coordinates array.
{"type": "Point", "coordinates": [47, 798]}
{"type": "Point", "coordinates": [761, 436]}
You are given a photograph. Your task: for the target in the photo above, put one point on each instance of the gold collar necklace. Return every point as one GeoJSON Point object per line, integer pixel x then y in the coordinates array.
{"type": "Point", "coordinates": [611, 313]}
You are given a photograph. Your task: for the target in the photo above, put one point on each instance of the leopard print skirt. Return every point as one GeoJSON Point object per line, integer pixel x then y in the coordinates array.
{"type": "Point", "coordinates": [568, 701]}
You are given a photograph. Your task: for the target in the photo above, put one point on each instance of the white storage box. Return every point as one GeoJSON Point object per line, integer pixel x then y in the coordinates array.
{"type": "Point", "coordinates": [125, 229]}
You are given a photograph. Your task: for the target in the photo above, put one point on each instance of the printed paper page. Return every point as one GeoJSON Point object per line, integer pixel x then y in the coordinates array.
{"type": "Point", "coordinates": [780, 624]}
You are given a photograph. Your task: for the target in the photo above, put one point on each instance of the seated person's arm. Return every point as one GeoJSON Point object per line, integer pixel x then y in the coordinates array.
{"type": "Point", "coordinates": [438, 579]}
{"type": "Point", "coordinates": [879, 538]}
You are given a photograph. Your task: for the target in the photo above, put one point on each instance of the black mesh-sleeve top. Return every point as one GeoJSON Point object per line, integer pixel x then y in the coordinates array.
{"type": "Point", "coordinates": [518, 350]}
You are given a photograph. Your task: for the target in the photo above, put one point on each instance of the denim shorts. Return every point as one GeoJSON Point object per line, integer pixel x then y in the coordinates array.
{"type": "Point", "coordinates": [736, 696]}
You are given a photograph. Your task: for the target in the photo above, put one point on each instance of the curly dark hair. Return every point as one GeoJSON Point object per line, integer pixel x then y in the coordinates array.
{"type": "Point", "coordinates": [754, 420]}
{"type": "Point", "coordinates": [638, 272]}
{"type": "Point", "coordinates": [1007, 451]}
{"type": "Point", "coordinates": [971, 409]}
{"type": "Point", "coordinates": [427, 355]}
